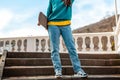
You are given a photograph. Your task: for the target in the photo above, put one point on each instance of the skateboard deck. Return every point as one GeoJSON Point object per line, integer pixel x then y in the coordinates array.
{"type": "Point", "coordinates": [42, 19]}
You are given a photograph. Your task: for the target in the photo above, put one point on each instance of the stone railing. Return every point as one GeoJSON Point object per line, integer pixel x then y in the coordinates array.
{"type": "Point", "coordinates": [117, 34]}
{"type": "Point", "coordinates": [85, 42]}
{"type": "Point", "coordinates": [2, 63]}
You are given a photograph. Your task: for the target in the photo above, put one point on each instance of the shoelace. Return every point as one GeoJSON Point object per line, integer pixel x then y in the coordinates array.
{"type": "Point", "coordinates": [83, 74]}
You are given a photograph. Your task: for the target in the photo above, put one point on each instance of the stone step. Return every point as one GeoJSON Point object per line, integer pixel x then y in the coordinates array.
{"type": "Point", "coordinates": [65, 61]}
{"type": "Point", "coordinates": [63, 55]}
{"type": "Point", "coordinates": [66, 77]}
{"type": "Point", "coordinates": [48, 70]}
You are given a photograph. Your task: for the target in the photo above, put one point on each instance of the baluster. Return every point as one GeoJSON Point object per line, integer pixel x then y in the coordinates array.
{"type": "Point", "coordinates": [39, 47]}
{"type": "Point", "coordinates": [108, 44]}
{"type": "Point", "coordinates": [43, 42]}
{"type": "Point", "coordinates": [100, 43]}
{"type": "Point", "coordinates": [10, 46]}
{"type": "Point", "coordinates": [64, 47]}
{"type": "Point", "coordinates": [22, 45]}
{"type": "Point", "coordinates": [49, 45]}
{"type": "Point", "coordinates": [61, 46]}
{"type": "Point", "coordinates": [116, 42]}
{"type": "Point", "coordinates": [46, 45]}
{"type": "Point", "coordinates": [25, 45]}
{"type": "Point", "coordinates": [83, 45]}
{"type": "Point", "coordinates": [7, 45]}
{"type": "Point", "coordinates": [91, 44]}
{"type": "Point", "coordinates": [3, 45]}
{"type": "Point", "coordinates": [15, 50]}
{"type": "Point", "coordinates": [76, 44]}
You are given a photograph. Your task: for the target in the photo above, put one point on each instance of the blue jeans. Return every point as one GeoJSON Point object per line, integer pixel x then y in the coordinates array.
{"type": "Point", "coordinates": [54, 34]}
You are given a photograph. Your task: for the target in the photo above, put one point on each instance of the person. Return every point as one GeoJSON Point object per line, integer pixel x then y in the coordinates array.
{"type": "Point", "coordinates": [59, 15]}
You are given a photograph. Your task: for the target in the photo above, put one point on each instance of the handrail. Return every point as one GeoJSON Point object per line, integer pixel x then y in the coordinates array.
{"type": "Point", "coordinates": [117, 30]}
{"type": "Point", "coordinates": [84, 43]}
{"type": "Point", "coordinates": [2, 63]}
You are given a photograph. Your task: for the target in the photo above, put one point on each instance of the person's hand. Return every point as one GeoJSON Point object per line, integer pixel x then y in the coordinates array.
{"type": "Point", "coordinates": [67, 2]}
{"type": "Point", "coordinates": [38, 24]}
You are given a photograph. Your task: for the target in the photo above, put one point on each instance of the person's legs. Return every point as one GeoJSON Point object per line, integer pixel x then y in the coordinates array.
{"type": "Point", "coordinates": [69, 42]}
{"type": "Point", "coordinates": [54, 35]}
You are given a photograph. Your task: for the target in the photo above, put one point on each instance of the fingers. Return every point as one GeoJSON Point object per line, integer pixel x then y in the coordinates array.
{"type": "Point", "coordinates": [67, 2]}
{"type": "Point", "coordinates": [38, 24]}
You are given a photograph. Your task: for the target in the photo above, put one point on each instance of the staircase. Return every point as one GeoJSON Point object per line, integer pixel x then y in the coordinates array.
{"type": "Point", "coordinates": [38, 66]}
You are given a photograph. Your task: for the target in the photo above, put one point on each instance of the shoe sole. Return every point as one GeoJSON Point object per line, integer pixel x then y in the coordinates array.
{"type": "Point", "coordinates": [59, 78]}
{"type": "Point", "coordinates": [85, 78]}
{"type": "Point", "coordinates": [82, 76]}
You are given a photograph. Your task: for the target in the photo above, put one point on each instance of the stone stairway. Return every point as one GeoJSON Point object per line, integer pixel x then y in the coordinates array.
{"type": "Point", "coordinates": [38, 66]}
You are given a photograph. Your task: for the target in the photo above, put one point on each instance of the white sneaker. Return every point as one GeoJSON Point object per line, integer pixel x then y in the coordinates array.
{"type": "Point", "coordinates": [81, 74]}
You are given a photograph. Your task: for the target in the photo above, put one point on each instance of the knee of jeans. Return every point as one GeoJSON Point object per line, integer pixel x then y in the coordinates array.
{"type": "Point", "coordinates": [54, 51]}
{"type": "Point", "coordinates": [72, 51]}
{"type": "Point", "coordinates": [71, 48]}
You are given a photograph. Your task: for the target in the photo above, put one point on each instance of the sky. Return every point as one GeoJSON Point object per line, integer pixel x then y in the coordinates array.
{"type": "Point", "coordinates": [18, 18]}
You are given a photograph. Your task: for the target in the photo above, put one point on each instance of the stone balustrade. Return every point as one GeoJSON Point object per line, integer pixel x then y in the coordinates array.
{"type": "Point", "coordinates": [84, 42]}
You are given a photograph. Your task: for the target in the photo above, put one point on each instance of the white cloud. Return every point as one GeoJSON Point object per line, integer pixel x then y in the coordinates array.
{"type": "Point", "coordinates": [5, 17]}
{"type": "Point", "coordinates": [83, 17]}
{"type": "Point", "coordinates": [20, 20]}
{"type": "Point", "coordinates": [24, 16]}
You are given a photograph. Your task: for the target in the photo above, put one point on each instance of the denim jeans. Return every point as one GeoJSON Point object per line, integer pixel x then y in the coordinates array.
{"type": "Point", "coordinates": [54, 35]}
